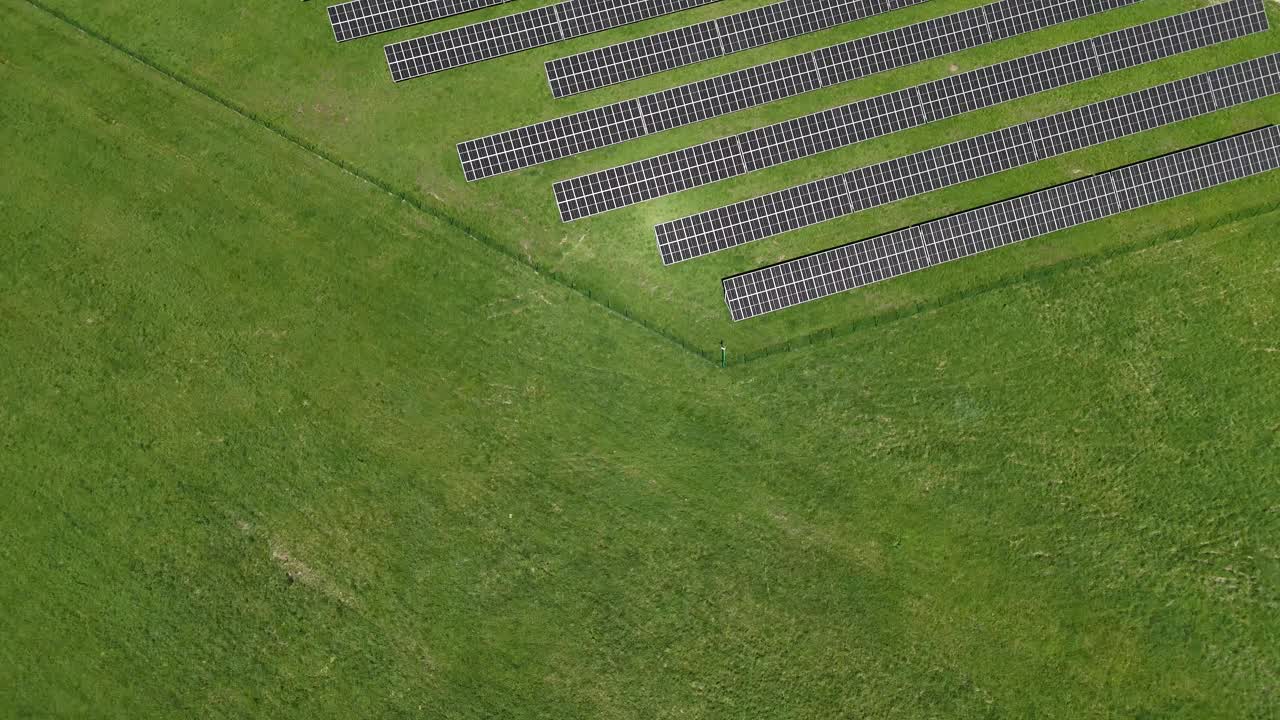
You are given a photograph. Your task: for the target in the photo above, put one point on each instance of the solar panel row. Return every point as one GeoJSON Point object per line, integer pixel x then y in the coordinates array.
{"type": "Point", "coordinates": [711, 39]}
{"type": "Point", "coordinates": [610, 124]}
{"type": "Point", "coordinates": [968, 233]}
{"type": "Point", "coordinates": [958, 162]}
{"type": "Point", "coordinates": [521, 31]}
{"type": "Point", "coordinates": [877, 116]}
{"type": "Point", "coordinates": [359, 18]}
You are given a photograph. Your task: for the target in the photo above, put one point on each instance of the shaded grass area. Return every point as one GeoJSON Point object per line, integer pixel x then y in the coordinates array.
{"type": "Point", "coordinates": [281, 63]}
{"type": "Point", "coordinates": [278, 444]}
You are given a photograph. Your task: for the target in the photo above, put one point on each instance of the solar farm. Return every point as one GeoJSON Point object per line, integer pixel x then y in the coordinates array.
{"type": "Point", "coordinates": [622, 359]}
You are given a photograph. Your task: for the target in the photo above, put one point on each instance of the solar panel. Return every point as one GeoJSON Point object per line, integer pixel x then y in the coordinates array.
{"type": "Point", "coordinates": [711, 39]}
{"type": "Point", "coordinates": [521, 31]}
{"type": "Point", "coordinates": [359, 18]}
{"type": "Point", "coordinates": [968, 233]}
{"type": "Point", "coordinates": [958, 162]}
{"type": "Point", "coordinates": [819, 132]}
{"type": "Point", "coordinates": [590, 129]}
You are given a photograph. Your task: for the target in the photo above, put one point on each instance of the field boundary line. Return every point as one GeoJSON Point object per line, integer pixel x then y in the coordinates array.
{"type": "Point", "coordinates": [711, 357]}
{"type": "Point", "coordinates": [386, 187]}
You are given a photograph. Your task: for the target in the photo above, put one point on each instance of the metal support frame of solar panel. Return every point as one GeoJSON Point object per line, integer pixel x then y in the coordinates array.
{"type": "Point", "coordinates": [611, 124]}
{"type": "Point", "coordinates": [965, 160]}
{"type": "Point", "coordinates": [691, 44]}
{"type": "Point", "coordinates": [862, 263]}
{"type": "Point", "coordinates": [873, 117]}
{"type": "Point", "coordinates": [521, 31]}
{"type": "Point", "coordinates": [361, 18]}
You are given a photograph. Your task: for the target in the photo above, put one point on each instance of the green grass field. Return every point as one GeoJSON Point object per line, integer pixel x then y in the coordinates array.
{"type": "Point", "coordinates": [280, 443]}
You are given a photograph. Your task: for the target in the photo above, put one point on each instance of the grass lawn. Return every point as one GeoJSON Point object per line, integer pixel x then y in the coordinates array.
{"type": "Point", "coordinates": [281, 63]}
{"type": "Point", "coordinates": [280, 444]}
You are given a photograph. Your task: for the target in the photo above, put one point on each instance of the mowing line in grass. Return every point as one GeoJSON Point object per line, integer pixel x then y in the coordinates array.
{"type": "Point", "coordinates": [466, 230]}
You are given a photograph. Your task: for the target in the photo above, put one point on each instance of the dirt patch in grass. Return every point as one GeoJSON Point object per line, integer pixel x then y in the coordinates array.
{"type": "Point", "coordinates": [298, 572]}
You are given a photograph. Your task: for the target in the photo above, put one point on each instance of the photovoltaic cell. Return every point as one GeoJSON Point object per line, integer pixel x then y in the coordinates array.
{"type": "Point", "coordinates": [782, 142]}
{"type": "Point", "coordinates": [711, 39]}
{"type": "Point", "coordinates": [359, 18]}
{"type": "Point", "coordinates": [975, 157]}
{"type": "Point", "coordinates": [968, 233]}
{"type": "Point", "coordinates": [521, 31]}
{"type": "Point", "coordinates": [572, 134]}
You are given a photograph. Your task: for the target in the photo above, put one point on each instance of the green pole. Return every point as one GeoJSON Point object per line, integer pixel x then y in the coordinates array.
{"type": "Point", "coordinates": [723, 355]}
